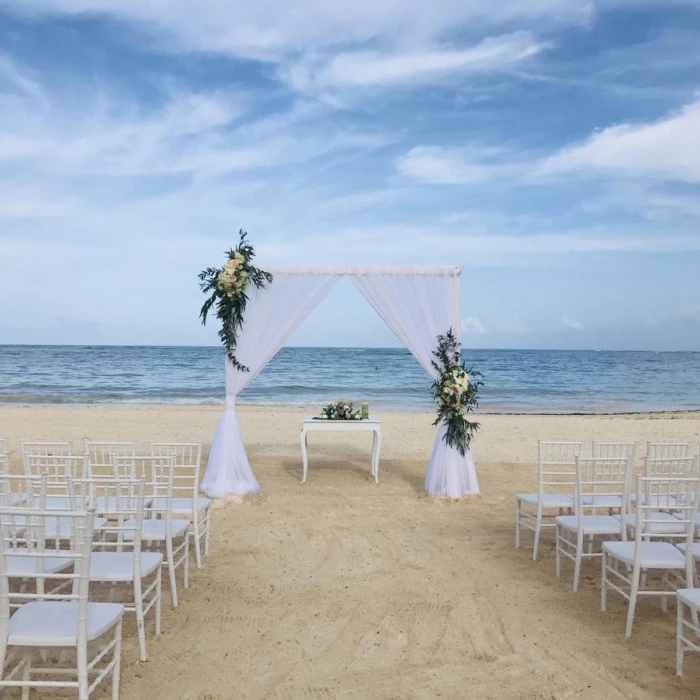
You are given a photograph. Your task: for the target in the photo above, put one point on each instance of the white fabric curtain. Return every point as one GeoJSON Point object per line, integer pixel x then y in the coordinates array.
{"type": "Point", "coordinates": [418, 308]}
{"type": "Point", "coordinates": [271, 316]}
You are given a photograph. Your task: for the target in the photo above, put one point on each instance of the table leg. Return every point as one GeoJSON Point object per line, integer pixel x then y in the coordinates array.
{"type": "Point", "coordinates": [374, 453]}
{"type": "Point", "coordinates": [304, 456]}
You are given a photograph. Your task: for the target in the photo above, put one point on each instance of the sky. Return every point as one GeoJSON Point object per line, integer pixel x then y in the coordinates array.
{"type": "Point", "coordinates": [551, 148]}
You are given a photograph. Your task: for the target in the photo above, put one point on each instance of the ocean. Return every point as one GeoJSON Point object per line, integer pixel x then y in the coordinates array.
{"type": "Point", "coordinates": [516, 381]}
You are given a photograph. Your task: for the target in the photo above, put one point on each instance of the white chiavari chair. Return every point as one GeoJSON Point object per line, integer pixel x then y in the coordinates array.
{"type": "Point", "coordinates": [118, 560]}
{"type": "Point", "coordinates": [99, 455]}
{"type": "Point", "coordinates": [160, 531]}
{"type": "Point", "coordinates": [630, 567]}
{"type": "Point", "coordinates": [60, 620]}
{"type": "Point", "coordinates": [598, 480]}
{"type": "Point", "coordinates": [58, 469]}
{"type": "Point", "coordinates": [187, 501]}
{"type": "Point", "coordinates": [668, 450]}
{"type": "Point", "coordinates": [46, 448]}
{"type": "Point", "coordinates": [614, 450]}
{"type": "Point", "coordinates": [555, 486]}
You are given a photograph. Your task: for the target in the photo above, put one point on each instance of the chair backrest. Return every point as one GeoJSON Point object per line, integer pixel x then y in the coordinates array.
{"type": "Point", "coordinates": [188, 461]}
{"type": "Point", "coordinates": [75, 581]}
{"type": "Point", "coordinates": [598, 479]}
{"type": "Point", "coordinates": [46, 448]}
{"type": "Point", "coordinates": [669, 467]}
{"type": "Point", "coordinates": [58, 469]}
{"type": "Point", "coordinates": [654, 494]}
{"type": "Point", "coordinates": [4, 446]}
{"type": "Point", "coordinates": [614, 450]}
{"type": "Point", "coordinates": [556, 462]}
{"type": "Point", "coordinates": [99, 455]}
{"type": "Point", "coordinates": [668, 450]}
{"type": "Point", "coordinates": [4, 463]}
{"type": "Point", "coordinates": [159, 473]}
{"type": "Point", "coordinates": [22, 490]}
{"type": "Point", "coordinates": [121, 501]}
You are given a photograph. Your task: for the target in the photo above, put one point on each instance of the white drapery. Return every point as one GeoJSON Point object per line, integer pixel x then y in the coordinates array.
{"type": "Point", "coordinates": [418, 308]}
{"type": "Point", "coordinates": [417, 303]}
{"type": "Point", "coordinates": [271, 316]}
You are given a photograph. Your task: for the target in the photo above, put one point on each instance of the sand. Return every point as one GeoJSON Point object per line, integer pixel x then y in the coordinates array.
{"type": "Point", "coordinates": [342, 588]}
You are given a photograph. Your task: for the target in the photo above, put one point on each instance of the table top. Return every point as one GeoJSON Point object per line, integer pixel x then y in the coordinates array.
{"type": "Point", "coordinates": [312, 420]}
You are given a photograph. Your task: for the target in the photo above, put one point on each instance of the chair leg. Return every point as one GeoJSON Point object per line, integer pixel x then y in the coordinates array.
{"type": "Point", "coordinates": [577, 564]}
{"type": "Point", "coordinates": [140, 625]}
{"type": "Point", "coordinates": [159, 598]}
{"type": "Point", "coordinates": [538, 527]}
{"type": "Point", "coordinates": [664, 587]}
{"type": "Point", "coordinates": [634, 591]}
{"type": "Point", "coordinates": [197, 543]}
{"type": "Point", "coordinates": [679, 638]}
{"type": "Point", "coordinates": [116, 671]}
{"type": "Point", "coordinates": [557, 551]}
{"type": "Point", "coordinates": [187, 560]}
{"type": "Point", "coordinates": [208, 533]}
{"type": "Point", "coordinates": [171, 571]}
{"type": "Point", "coordinates": [83, 684]}
{"type": "Point", "coordinates": [26, 677]}
{"type": "Point", "coordinates": [603, 583]}
{"type": "Point", "coordinates": [517, 524]}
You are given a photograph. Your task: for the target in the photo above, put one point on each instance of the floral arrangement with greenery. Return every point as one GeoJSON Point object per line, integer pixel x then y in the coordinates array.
{"type": "Point", "coordinates": [227, 287]}
{"type": "Point", "coordinates": [456, 393]}
{"type": "Point", "coordinates": [340, 411]}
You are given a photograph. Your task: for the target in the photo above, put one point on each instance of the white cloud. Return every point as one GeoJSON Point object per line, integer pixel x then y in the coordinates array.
{"type": "Point", "coordinates": [275, 29]}
{"type": "Point", "coordinates": [473, 325]}
{"type": "Point", "coordinates": [666, 149]}
{"type": "Point", "coordinates": [571, 323]}
{"type": "Point", "coordinates": [375, 68]}
{"type": "Point", "coordinates": [450, 166]}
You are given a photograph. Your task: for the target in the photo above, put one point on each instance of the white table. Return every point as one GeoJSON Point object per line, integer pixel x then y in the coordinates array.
{"type": "Point", "coordinates": [372, 425]}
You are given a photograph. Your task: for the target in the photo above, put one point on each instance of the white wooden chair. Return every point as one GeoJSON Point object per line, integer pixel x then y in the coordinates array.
{"type": "Point", "coordinates": [46, 448]}
{"type": "Point", "coordinates": [161, 530]}
{"type": "Point", "coordinates": [58, 468]}
{"type": "Point", "coordinates": [668, 450]}
{"type": "Point", "coordinates": [56, 621]}
{"type": "Point", "coordinates": [4, 463]}
{"type": "Point", "coordinates": [687, 626]}
{"type": "Point", "coordinates": [555, 486]}
{"type": "Point", "coordinates": [99, 455]}
{"type": "Point", "coordinates": [627, 565]}
{"type": "Point", "coordinates": [614, 450]}
{"type": "Point", "coordinates": [598, 481]}
{"type": "Point", "coordinates": [187, 501]}
{"type": "Point", "coordinates": [117, 559]}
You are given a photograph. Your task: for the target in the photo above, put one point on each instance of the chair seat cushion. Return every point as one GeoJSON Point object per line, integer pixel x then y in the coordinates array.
{"type": "Point", "coordinates": [592, 524]}
{"type": "Point", "coordinates": [108, 505]}
{"type": "Point", "coordinates": [62, 529]}
{"type": "Point", "coordinates": [661, 523]}
{"type": "Point", "coordinates": [181, 506]}
{"type": "Point", "coordinates": [119, 566]}
{"type": "Point", "coordinates": [27, 566]}
{"type": "Point", "coordinates": [655, 555]}
{"type": "Point", "coordinates": [690, 596]}
{"type": "Point", "coordinates": [549, 500]}
{"type": "Point", "coordinates": [153, 529]}
{"type": "Point", "coordinates": [53, 623]}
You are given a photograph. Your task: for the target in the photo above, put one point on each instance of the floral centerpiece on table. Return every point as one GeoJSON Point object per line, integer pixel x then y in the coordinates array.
{"type": "Point", "coordinates": [340, 411]}
{"type": "Point", "coordinates": [227, 287]}
{"type": "Point", "coordinates": [455, 392]}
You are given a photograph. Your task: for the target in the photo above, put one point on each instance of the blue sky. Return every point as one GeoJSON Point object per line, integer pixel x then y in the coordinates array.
{"type": "Point", "coordinates": [549, 147]}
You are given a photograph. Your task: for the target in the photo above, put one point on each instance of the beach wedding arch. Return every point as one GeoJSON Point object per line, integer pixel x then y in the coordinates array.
{"type": "Point", "coordinates": [260, 309]}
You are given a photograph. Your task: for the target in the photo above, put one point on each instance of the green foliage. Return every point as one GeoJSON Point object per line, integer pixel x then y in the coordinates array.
{"type": "Point", "coordinates": [455, 393]}
{"type": "Point", "coordinates": [340, 410]}
{"type": "Point", "coordinates": [231, 306]}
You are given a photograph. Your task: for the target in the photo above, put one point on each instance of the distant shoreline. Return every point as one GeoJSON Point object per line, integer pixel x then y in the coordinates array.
{"type": "Point", "coordinates": [259, 407]}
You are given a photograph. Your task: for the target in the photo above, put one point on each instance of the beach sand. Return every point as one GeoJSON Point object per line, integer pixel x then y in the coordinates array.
{"type": "Point", "coordinates": [342, 588]}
